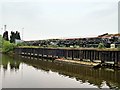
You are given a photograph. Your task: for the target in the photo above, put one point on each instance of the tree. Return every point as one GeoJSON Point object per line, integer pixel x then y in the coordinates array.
{"type": "Point", "coordinates": [14, 36]}
{"type": "Point", "coordinates": [17, 35]}
{"type": "Point", "coordinates": [5, 36]}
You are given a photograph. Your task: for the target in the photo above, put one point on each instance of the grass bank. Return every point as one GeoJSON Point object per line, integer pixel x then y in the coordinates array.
{"type": "Point", "coordinates": [99, 49]}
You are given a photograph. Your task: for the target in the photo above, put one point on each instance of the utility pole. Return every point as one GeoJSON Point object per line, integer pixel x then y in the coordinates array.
{"type": "Point", "coordinates": [22, 32]}
{"type": "Point", "coordinates": [5, 26]}
{"type": "Point", "coordinates": [2, 30]}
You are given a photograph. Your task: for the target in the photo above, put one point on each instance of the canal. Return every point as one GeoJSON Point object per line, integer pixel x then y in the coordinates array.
{"type": "Point", "coordinates": [26, 72]}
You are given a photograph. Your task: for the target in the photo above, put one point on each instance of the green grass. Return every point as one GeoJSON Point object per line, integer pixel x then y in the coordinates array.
{"type": "Point", "coordinates": [99, 49]}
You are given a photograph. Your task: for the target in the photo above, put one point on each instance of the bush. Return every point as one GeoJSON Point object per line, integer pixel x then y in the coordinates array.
{"type": "Point", "coordinates": [101, 45]}
{"type": "Point", "coordinates": [8, 47]}
{"type": "Point", "coordinates": [1, 40]}
{"type": "Point", "coordinates": [22, 44]}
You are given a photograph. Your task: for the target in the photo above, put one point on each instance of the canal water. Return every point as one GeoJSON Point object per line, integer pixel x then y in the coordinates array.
{"type": "Point", "coordinates": [26, 72]}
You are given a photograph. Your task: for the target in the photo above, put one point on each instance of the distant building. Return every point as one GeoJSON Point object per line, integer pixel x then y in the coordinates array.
{"type": "Point", "coordinates": [18, 41]}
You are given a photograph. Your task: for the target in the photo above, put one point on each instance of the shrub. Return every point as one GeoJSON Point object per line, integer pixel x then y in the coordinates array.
{"type": "Point", "coordinates": [8, 47]}
{"type": "Point", "coordinates": [101, 45]}
{"type": "Point", "coordinates": [22, 44]}
{"type": "Point", "coordinates": [1, 43]}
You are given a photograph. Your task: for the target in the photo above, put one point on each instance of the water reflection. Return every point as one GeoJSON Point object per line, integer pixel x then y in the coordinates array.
{"type": "Point", "coordinates": [10, 63]}
{"type": "Point", "coordinates": [95, 77]}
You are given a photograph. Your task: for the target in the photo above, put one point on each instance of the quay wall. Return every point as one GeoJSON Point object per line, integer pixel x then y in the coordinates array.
{"type": "Point", "coordinates": [104, 55]}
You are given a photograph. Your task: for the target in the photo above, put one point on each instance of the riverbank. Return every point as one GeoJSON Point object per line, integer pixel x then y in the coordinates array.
{"type": "Point", "coordinates": [79, 48]}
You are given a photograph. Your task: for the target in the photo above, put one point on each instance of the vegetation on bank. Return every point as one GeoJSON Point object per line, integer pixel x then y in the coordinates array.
{"type": "Point", "coordinates": [8, 48]}
{"type": "Point", "coordinates": [0, 43]}
{"type": "Point", "coordinates": [103, 49]}
{"type": "Point", "coordinates": [7, 45]}
{"type": "Point", "coordinates": [101, 46]}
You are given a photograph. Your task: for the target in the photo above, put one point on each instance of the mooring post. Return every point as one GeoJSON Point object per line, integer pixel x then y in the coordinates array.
{"type": "Point", "coordinates": [91, 55]}
{"type": "Point", "coordinates": [115, 59]}
{"type": "Point", "coordinates": [72, 54]}
{"type": "Point", "coordinates": [65, 53]}
{"type": "Point", "coordinates": [42, 52]}
{"type": "Point", "coordinates": [81, 55]}
{"type": "Point", "coordinates": [102, 57]}
{"type": "Point", "coordinates": [37, 53]}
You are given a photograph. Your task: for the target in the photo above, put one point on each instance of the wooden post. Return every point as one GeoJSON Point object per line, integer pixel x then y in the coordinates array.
{"type": "Point", "coordinates": [72, 54]}
{"type": "Point", "coordinates": [102, 57]}
{"type": "Point", "coordinates": [115, 59]}
{"type": "Point", "coordinates": [81, 55]}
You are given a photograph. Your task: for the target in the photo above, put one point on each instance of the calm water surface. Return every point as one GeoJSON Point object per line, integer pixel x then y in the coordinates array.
{"type": "Point", "coordinates": [21, 72]}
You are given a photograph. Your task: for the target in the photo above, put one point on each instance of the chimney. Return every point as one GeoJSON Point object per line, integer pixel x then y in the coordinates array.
{"type": "Point", "coordinates": [5, 27]}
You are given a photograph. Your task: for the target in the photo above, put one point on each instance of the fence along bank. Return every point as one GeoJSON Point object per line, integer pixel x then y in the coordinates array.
{"type": "Point", "coordinates": [104, 55]}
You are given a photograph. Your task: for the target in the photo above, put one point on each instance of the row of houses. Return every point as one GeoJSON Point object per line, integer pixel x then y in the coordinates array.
{"type": "Point", "coordinates": [106, 39]}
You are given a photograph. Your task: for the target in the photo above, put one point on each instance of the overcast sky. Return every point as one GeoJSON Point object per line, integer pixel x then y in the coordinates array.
{"type": "Point", "coordinates": [43, 19]}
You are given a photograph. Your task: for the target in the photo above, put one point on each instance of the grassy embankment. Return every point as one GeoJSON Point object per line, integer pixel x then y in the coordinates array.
{"type": "Point", "coordinates": [103, 49]}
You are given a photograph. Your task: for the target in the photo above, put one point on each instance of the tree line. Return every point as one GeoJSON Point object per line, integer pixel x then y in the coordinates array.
{"type": "Point", "coordinates": [13, 36]}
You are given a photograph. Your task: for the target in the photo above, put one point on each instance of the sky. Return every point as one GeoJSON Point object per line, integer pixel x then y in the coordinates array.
{"type": "Point", "coordinates": [46, 19]}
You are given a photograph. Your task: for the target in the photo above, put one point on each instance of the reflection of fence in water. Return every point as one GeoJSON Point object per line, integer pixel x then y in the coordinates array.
{"type": "Point", "coordinates": [79, 72]}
